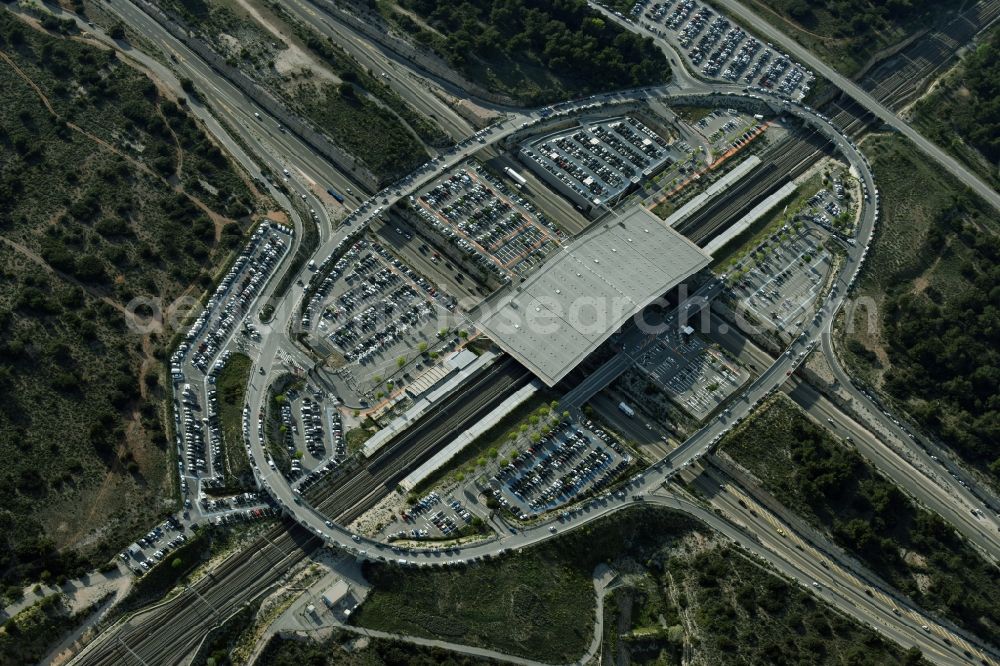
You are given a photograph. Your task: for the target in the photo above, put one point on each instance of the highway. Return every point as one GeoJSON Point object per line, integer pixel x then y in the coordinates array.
{"type": "Point", "coordinates": [809, 557]}
{"type": "Point", "coordinates": [278, 149]}
{"type": "Point", "coordinates": [931, 457]}
{"type": "Point", "coordinates": [933, 491]}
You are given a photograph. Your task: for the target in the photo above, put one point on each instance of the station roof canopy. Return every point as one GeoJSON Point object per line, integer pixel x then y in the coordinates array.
{"type": "Point", "coordinates": [587, 289]}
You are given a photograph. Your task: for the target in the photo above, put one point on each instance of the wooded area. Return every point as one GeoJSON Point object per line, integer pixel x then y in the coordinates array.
{"type": "Point", "coordinates": [945, 352]}
{"type": "Point", "coordinates": [832, 486]}
{"type": "Point", "coordinates": [111, 191]}
{"type": "Point", "coordinates": [536, 50]}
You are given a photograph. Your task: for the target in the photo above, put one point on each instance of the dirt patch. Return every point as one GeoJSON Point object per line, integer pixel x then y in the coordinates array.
{"type": "Point", "coordinates": [381, 515]}
{"type": "Point", "coordinates": [231, 43]}
{"type": "Point", "coordinates": [914, 559]}
{"type": "Point", "coordinates": [695, 542]}
{"type": "Point", "coordinates": [292, 58]}
{"type": "Point", "coordinates": [279, 216]}
{"type": "Point", "coordinates": [923, 582]}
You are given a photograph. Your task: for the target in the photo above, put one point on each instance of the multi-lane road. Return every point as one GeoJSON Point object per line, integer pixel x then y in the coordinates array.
{"type": "Point", "coordinates": [890, 449]}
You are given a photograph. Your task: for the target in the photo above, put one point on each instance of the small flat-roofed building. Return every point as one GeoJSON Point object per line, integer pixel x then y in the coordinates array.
{"type": "Point", "coordinates": [586, 290]}
{"type": "Point", "coordinates": [336, 594]}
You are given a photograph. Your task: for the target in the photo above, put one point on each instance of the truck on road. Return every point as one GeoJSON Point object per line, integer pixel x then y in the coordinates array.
{"type": "Point", "coordinates": [626, 410]}
{"type": "Point", "coordinates": [334, 194]}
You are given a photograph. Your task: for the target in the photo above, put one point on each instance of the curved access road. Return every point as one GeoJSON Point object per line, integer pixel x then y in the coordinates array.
{"type": "Point", "coordinates": [846, 592]}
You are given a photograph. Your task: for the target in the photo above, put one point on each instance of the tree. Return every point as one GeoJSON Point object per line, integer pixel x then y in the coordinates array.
{"type": "Point", "coordinates": [117, 31]}
{"type": "Point", "coordinates": [799, 10]}
{"type": "Point", "coordinates": [401, 361]}
{"type": "Point", "coordinates": [913, 657]}
{"type": "Point", "coordinates": [89, 268]}
{"type": "Point", "coordinates": [176, 563]}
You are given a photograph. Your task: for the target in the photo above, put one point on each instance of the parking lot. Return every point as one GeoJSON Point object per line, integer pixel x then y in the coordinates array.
{"type": "Point", "coordinates": [155, 546]}
{"type": "Point", "coordinates": [568, 461]}
{"type": "Point", "coordinates": [831, 209]}
{"type": "Point", "coordinates": [373, 310]}
{"type": "Point", "coordinates": [695, 375]}
{"type": "Point", "coordinates": [232, 298]}
{"type": "Point", "coordinates": [433, 517]}
{"type": "Point", "coordinates": [195, 364]}
{"type": "Point", "coordinates": [727, 129]}
{"type": "Point", "coordinates": [150, 549]}
{"type": "Point", "coordinates": [494, 229]}
{"type": "Point", "coordinates": [785, 279]}
{"type": "Point", "coordinates": [598, 161]}
{"type": "Point", "coordinates": [720, 49]}
{"type": "Point", "coordinates": [313, 430]}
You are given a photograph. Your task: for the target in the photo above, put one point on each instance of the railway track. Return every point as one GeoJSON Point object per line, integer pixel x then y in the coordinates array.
{"type": "Point", "coordinates": [788, 159]}
{"type": "Point", "coordinates": [153, 636]}
{"type": "Point", "coordinates": [347, 498]}
{"type": "Point", "coordinates": [904, 73]}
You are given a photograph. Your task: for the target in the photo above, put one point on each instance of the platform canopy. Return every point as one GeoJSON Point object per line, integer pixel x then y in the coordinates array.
{"type": "Point", "coordinates": [587, 289]}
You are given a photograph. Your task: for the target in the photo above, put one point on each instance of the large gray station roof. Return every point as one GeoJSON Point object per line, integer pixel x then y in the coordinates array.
{"type": "Point", "coordinates": [587, 289]}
